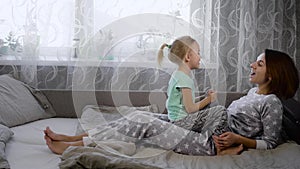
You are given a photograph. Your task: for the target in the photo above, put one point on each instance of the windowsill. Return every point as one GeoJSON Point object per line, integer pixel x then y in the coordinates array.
{"type": "Point", "coordinates": [55, 61]}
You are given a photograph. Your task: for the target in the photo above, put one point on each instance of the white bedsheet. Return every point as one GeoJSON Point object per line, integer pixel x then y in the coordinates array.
{"type": "Point", "coordinates": [27, 148]}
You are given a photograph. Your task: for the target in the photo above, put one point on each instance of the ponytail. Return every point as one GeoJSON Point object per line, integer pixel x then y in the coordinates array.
{"type": "Point", "coordinates": [160, 54]}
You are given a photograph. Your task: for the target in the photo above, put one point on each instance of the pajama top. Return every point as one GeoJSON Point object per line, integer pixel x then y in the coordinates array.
{"type": "Point", "coordinates": [258, 117]}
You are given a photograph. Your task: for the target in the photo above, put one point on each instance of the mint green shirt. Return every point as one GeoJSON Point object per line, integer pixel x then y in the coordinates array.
{"type": "Point", "coordinates": [174, 103]}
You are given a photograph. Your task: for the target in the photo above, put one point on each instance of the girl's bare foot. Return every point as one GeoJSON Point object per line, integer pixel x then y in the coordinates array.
{"type": "Point", "coordinates": [231, 150]}
{"type": "Point", "coordinates": [57, 147]}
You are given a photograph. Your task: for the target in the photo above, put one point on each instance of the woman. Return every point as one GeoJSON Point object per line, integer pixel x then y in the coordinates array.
{"type": "Point", "coordinates": [277, 78]}
{"type": "Point", "coordinates": [253, 121]}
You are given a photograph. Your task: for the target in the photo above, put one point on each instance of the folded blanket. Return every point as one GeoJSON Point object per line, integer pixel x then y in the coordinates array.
{"type": "Point", "coordinates": [104, 156]}
{"type": "Point", "coordinates": [285, 156]}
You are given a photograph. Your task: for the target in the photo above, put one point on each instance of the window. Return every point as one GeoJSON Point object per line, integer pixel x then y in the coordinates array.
{"type": "Point", "coordinates": [52, 29]}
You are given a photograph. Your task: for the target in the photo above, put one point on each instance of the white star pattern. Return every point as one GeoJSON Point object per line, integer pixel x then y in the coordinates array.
{"type": "Point", "coordinates": [133, 134]}
{"type": "Point", "coordinates": [186, 146]}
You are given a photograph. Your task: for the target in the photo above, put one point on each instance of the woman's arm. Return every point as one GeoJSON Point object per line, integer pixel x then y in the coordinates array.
{"type": "Point", "coordinates": [190, 105]}
{"type": "Point", "coordinates": [227, 139]}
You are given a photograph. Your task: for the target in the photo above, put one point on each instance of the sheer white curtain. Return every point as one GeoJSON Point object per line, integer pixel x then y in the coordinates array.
{"type": "Point", "coordinates": [109, 34]}
{"type": "Point", "coordinates": [246, 28]}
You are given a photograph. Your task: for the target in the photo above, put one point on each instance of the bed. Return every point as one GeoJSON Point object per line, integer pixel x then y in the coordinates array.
{"type": "Point", "coordinates": [23, 145]}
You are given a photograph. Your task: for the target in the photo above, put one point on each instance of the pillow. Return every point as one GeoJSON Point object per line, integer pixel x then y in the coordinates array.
{"type": "Point", "coordinates": [5, 135]}
{"type": "Point", "coordinates": [291, 119]}
{"type": "Point", "coordinates": [20, 103]}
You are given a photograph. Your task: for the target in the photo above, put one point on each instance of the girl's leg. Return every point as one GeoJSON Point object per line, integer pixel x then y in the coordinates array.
{"type": "Point", "coordinates": [207, 119]}
{"type": "Point", "coordinates": [61, 137]}
{"type": "Point", "coordinates": [58, 147]}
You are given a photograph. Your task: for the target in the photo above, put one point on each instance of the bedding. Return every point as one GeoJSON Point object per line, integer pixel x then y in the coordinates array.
{"type": "Point", "coordinates": [27, 148]}
{"type": "Point", "coordinates": [107, 155]}
{"type": "Point", "coordinates": [19, 104]}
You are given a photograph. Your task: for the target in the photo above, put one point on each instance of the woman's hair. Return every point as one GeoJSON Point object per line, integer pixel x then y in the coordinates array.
{"type": "Point", "coordinates": [177, 51]}
{"type": "Point", "coordinates": [283, 72]}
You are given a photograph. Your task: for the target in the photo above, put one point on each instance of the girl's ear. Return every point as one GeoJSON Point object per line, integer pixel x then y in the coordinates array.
{"type": "Point", "coordinates": [187, 57]}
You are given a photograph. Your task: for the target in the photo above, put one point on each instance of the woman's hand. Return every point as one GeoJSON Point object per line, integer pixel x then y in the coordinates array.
{"type": "Point", "coordinates": [226, 139]}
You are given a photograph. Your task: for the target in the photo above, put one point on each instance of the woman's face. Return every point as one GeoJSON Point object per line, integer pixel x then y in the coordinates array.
{"type": "Point", "coordinates": [258, 71]}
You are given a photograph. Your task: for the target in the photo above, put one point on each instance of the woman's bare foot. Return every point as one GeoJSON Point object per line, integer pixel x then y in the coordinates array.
{"type": "Point", "coordinates": [54, 136]}
{"type": "Point", "coordinates": [57, 147]}
{"type": "Point", "coordinates": [231, 150]}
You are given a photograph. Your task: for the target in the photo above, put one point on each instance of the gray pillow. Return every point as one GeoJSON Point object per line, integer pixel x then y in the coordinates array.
{"type": "Point", "coordinates": [5, 134]}
{"type": "Point", "coordinates": [21, 104]}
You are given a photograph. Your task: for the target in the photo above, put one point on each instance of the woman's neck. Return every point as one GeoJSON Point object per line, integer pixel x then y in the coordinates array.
{"type": "Point", "coordinates": [262, 89]}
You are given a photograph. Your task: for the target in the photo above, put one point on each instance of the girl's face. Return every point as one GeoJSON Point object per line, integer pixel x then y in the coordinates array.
{"type": "Point", "coordinates": [258, 73]}
{"type": "Point", "coordinates": [194, 56]}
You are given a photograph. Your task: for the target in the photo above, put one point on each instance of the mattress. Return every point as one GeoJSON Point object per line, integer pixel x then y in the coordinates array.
{"type": "Point", "coordinates": [27, 148]}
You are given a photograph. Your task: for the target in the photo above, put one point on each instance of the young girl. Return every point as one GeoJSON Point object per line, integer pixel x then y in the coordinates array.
{"type": "Point", "coordinates": [182, 108]}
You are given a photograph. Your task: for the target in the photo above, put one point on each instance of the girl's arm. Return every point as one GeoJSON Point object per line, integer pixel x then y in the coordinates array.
{"type": "Point", "coordinates": [188, 101]}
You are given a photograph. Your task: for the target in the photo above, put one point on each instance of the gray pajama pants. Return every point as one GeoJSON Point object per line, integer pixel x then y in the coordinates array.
{"type": "Point", "coordinates": [143, 129]}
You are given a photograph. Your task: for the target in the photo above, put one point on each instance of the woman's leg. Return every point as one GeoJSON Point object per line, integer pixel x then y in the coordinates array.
{"type": "Point", "coordinates": [147, 130]}
{"type": "Point", "coordinates": [58, 147]}
{"type": "Point", "coordinates": [61, 137]}
{"type": "Point", "coordinates": [235, 150]}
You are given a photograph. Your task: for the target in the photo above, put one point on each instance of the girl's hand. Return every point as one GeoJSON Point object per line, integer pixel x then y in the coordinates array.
{"type": "Point", "coordinates": [225, 140]}
{"type": "Point", "coordinates": [212, 95]}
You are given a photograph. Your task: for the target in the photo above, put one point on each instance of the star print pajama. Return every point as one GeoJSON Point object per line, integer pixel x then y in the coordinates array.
{"type": "Point", "coordinates": [203, 120]}
{"type": "Point", "coordinates": [144, 129]}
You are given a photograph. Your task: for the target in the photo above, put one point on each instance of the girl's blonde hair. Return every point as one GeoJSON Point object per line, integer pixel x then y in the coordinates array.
{"type": "Point", "coordinates": [177, 51]}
